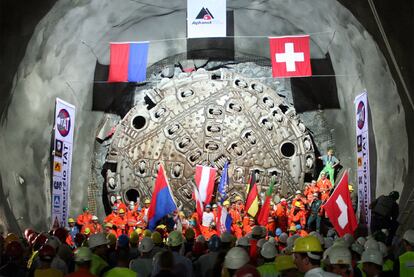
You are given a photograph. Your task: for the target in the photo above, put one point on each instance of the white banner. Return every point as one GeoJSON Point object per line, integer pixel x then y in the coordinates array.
{"type": "Point", "coordinates": [363, 172]}
{"type": "Point", "coordinates": [62, 161]}
{"type": "Point", "coordinates": [206, 18]}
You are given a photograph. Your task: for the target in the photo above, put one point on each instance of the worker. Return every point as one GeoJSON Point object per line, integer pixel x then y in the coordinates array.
{"type": "Point", "coordinates": [119, 203]}
{"type": "Point", "coordinates": [237, 224]}
{"type": "Point", "coordinates": [310, 190]}
{"type": "Point", "coordinates": [208, 218]}
{"type": "Point", "coordinates": [297, 215]}
{"type": "Point", "coordinates": [84, 218]}
{"type": "Point", "coordinates": [329, 163]}
{"type": "Point", "coordinates": [72, 229]}
{"type": "Point", "coordinates": [247, 228]}
{"type": "Point", "coordinates": [239, 203]}
{"type": "Point", "coordinates": [268, 252]}
{"type": "Point", "coordinates": [132, 218]}
{"type": "Point", "coordinates": [384, 214]}
{"type": "Point", "coordinates": [339, 261]}
{"type": "Point", "coordinates": [143, 264]}
{"type": "Point", "coordinates": [282, 215]}
{"type": "Point", "coordinates": [235, 259]}
{"type": "Point", "coordinates": [121, 223]}
{"type": "Point", "coordinates": [271, 225]}
{"type": "Point", "coordinates": [315, 213]}
{"type": "Point", "coordinates": [112, 216]}
{"type": "Point", "coordinates": [83, 257]}
{"type": "Point", "coordinates": [98, 244]}
{"type": "Point", "coordinates": [94, 226]}
{"type": "Point", "coordinates": [307, 254]}
{"type": "Point", "coordinates": [285, 266]}
{"type": "Point", "coordinates": [300, 231]}
{"type": "Point", "coordinates": [325, 186]}
{"type": "Point", "coordinates": [109, 228]}
{"type": "Point", "coordinates": [404, 265]}
{"type": "Point", "coordinates": [299, 199]}
{"type": "Point", "coordinates": [372, 263]}
{"type": "Point", "coordinates": [144, 210]}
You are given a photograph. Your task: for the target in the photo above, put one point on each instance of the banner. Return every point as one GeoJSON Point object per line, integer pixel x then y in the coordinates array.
{"type": "Point", "coordinates": [206, 18]}
{"type": "Point", "coordinates": [363, 173]}
{"type": "Point", "coordinates": [62, 161]}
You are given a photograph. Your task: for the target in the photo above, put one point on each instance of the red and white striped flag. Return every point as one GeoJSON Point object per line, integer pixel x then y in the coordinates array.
{"type": "Point", "coordinates": [204, 178]}
{"type": "Point", "coordinates": [199, 204]}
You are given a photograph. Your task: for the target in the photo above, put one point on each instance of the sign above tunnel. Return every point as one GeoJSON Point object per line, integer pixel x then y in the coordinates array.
{"type": "Point", "coordinates": [206, 18]}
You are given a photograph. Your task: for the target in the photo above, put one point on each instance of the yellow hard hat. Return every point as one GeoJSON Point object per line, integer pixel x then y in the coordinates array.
{"type": "Point", "coordinates": [156, 237]}
{"type": "Point", "coordinates": [284, 262]}
{"type": "Point", "coordinates": [138, 231]}
{"type": "Point", "coordinates": [226, 203]}
{"type": "Point", "coordinates": [307, 244]}
{"type": "Point", "coordinates": [112, 238]}
{"type": "Point", "coordinates": [147, 201]}
{"type": "Point", "coordinates": [237, 198]}
{"type": "Point", "coordinates": [71, 220]}
{"type": "Point", "coordinates": [297, 204]}
{"type": "Point", "coordinates": [147, 233]}
{"type": "Point", "coordinates": [292, 228]}
{"type": "Point", "coordinates": [109, 225]}
{"type": "Point", "coordinates": [181, 214]}
{"type": "Point", "coordinates": [134, 237]}
{"type": "Point", "coordinates": [121, 211]}
{"type": "Point", "coordinates": [351, 188]}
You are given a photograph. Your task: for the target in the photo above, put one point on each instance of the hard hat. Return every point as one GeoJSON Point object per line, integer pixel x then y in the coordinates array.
{"type": "Point", "coordinates": [292, 228]}
{"type": "Point", "coordinates": [133, 237]}
{"type": "Point", "coordinates": [339, 255]}
{"type": "Point", "coordinates": [71, 220]}
{"type": "Point", "coordinates": [46, 252]}
{"type": "Point", "coordinates": [283, 200]}
{"type": "Point", "coordinates": [237, 198]}
{"type": "Point", "coordinates": [260, 242]}
{"type": "Point", "coordinates": [268, 250]}
{"type": "Point", "coordinates": [97, 240]}
{"type": "Point", "coordinates": [383, 249]}
{"type": "Point", "coordinates": [313, 182]}
{"type": "Point", "coordinates": [236, 258]}
{"type": "Point", "coordinates": [118, 197]}
{"type": "Point", "coordinates": [131, 203]}
{"type": "Point", "coordinates": [14, 250]}
{"type": "Point", "coordinates": [371, 244]}
{"type": "Point", "coordinates": [214, 243]}
{"type": "Point", "coordinates": [226, 203]}
{"type": "Point", "coordinates": [298, 227]}
{"type": "Point", "coordinates": [83, 254]}
{"type": "Point", "coordinates": [394, 195]}
{"type": "Point", "coordinates": [146, 245]}
{"type": "Point", "coordinates": [175, 238]}
{"type": "Point", "coordinates": [315, 194]}
{"type": "Point", "coordinates": [372, 256]}
{"type": "Point", "coordinates": [297, 204]}
{"type": "Point", "coordinates": [54, 242]}
{"type": "Point", "coordinates": [94, 217]}
{"type": "Point", "coordinates": [156, 237]}
{"type": "Point", "coordinates": [108, 225]}
{"type": "Point", "coordinates": [189, 234]}
{"type": "Point", "coordinates": [409, 236]}
{"type": "Point", "coordinates": [85, 209]}
{"type": "Point", "coordinates": [214, 206]}
{"type": "Point", "coordinates": [131, 207]}
{"type": "Point", "coordinates": [298, 192]}
{"type": "Point", "coordinates": [10, 237]}
{"type": "Point", "coordinates": [356, 247]}
{"type": "Point", "coordinates": [283, 237]}
{"type": "Point", "coordinates": [247, 271]}
{"type": "Point", "coordinates": [331, 233]}
{"type": "Point", "coordinates": [122, 241]}
{"type": "Point", "coordinates": [284, 262]}
{"type": "Point", "coordinates": [291, 240]}
{"type": "Point", "coordinates": [278, 231]}
{"type": "Point", "coordinates": [307, 244]}
{"type": "Point", "coordinates": [208, 206]}
{"type": "Point", "coordinates": [328, 242]}
{"type": "Point", "coordinates": [272, 240]}
{"type": "Point", "coordinates": [201, 238]}
{"type": "Point", "coordinates": [317, 235]}
{"type": "Point", "coordinates": [226, 237]}
{"type": "Point", "coordinates": [349, 239]}
{"type": "Point", "coordinates": [147, 201]}
{"type": "Point", "coordinates": [243, 241]}
{"type": "Point", "coordinates": [350, 188]}
{"type": "Point", "coordinates": [121, 211]}
{"type": "Point", "coordinates": [87, 231]}
{"type": "Point", "coordinates": [258, 231]}
{"type": "Point", "coordinates": [340, 242]}
{"type": "Point", "coordinates": [361, 241]}
{"type": "Point", "coordinates": [111, 239]}
{"type": "Point", "coordinates": [147, 233]}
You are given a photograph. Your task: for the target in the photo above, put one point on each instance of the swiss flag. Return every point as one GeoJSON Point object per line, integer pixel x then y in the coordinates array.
{"type": "Point", "coordinates": [290, 56]}
{"type": "Point", "coordinates": [204, 178]}
{"type": "Point", "coordinates": [339, 208]}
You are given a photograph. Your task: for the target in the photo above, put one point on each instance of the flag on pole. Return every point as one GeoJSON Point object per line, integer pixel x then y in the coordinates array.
{"type": "Point", "coordinates": [162, 202]}
{"type": "Point", "coordinates": [223, 185]}
{"type": "Point", "coordinates": [290, 56]}
{"type": "Point", "coordinates": [204, 178]}
{"type": "Point", "coordinates": [128, 61]}
{"type": "Point", "coordinates": [224, 219]}
{"type": "Point", "coordinates": [264, 211]}
{"type": "Point", "coordinates": [252, 201]}
{"type": "Point", "coordinates": [339, 208]}
{"type": "Point", "coordinates": [199, 204]}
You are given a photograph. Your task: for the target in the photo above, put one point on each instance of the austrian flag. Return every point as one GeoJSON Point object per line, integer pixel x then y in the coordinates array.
{"type": "Point", "coordinates": [290, 56]}
{"type": "Point", "coordinates": [204, 178]}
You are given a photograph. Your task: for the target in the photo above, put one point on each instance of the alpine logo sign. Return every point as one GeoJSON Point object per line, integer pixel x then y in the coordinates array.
{"type": "Point", "coordinates": [206, 18]}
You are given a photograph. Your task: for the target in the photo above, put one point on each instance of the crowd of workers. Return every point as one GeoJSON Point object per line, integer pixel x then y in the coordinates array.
{"type": "Point", "coordinates": [298, 240]}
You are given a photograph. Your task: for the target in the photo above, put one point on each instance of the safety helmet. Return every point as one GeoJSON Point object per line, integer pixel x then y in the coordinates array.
{"type": "Point", "coordinates": [189, 234]}
{"type": "Point", "coordinates": [47, 253]}
{"type": "Point", "coordinates": [340, 242]}
{"type": "Point", "coordinates": [85, 209]}
{"type": "Point", "coordinates": [291, 240]}
{"type": "Point", "coordinates": [236, 258]}
{"type": "Point", "coordinates": [356, 247]}
{"type": "Point", "coordinates": [156, 237]}
{"type": "Point", "coordinates": [292, 228]}
{"type": "Point", "coordinates": [284, 262]}
{"type": "Point", "coordinates": [71, 220]}
{"type": "Point", "coordinates": [298, 192]}
{"type": "Point", "coordinates": [147, 201]}
{"type": "Point", "coordinates": [39, 240]}
{"type": "Point", "coordinates": [283, 238]}
{"type": "Point", "coordinates": [298, 227]}
{"type": "Point", "coordinates": [350, 188]}
{"type": "Point", "coordinates": [133, 237]}
{"type": "Point", "coordinates": [247, 271]}
{"type": "Point", "coordinates": [87, 231]}
{"type": "Point", "coordinates": [361, 241]}
{"type": "Point", "coordinates": [317, 235]}
{"type": "Point", "coordinates": [371, 244]}
{"type": "Point", "coordinates": [201, 238]}
{"type": "Point", "coordinates": [328, 242]}
{"type": "Point", "coordinates": [54, 242]}
{"type": "Point", "coordinates": [339, 255]}
{"type": "Point", "coordinates": [146, 245]}
{"type": "Point", "coordinates": [394, 195]}
{"type": "Point", "coordinates": [226, 203]}
{"type": "Point", "coordinates": [214, 205]}
{"type": "Point", "coordinates": [383, 249]}
{"type": "Point", "coordinates": [175, 238]}
{"type": "Point", "coordinates": [237, 198]}
{"type": "Point", "coordinates": [94, 217]}
{"type": "Point", "coordinates": [260, 242]}
{"type": "Point", "coordinates": [268, 250]}
{"type": "Point", "coordinates": [118, 197]}
{"type": "Point", "coordinates": [214, 243]}
{"type": "Point", "coordinates": [226, 237]}
{"type": "Point", "coordinates": [349, 239]}
{"type": "Point", "coordinates": [243, 241]}
{"type": "Point", "coordinates": [278, 231]}
{"type": "Point", "coordinates": [307, 244]}
{"type": "Point", "coordinates": [297, 204]}
{"type": "Point", "coordinates": [372, 256]}
{"type": "Point", "coordinates": [147, 233]}
{"type": "Point", "coordinates": [83, 254]}
{"type": "Point", "coordinates": [208, 206]}
{"type": "Point", "coordinates": [122, 241]}
{"type": "Point", "coordinates": [10, 237]}
{"type": "Point", "coordinates": [283, 200]}
{"type": "Point", "coordinates": [121, 211]}
{"type": "Point", "coordinates": [108, 225]}
{"type": "Point", "coordinates": [111, 239]}
{"type": "Point", "coordinates": [14, 250]}
{"type": "Point", "coordinates": [258, 231]}
{"type": "Point", "coordinates": [97, 240]}
{"type": "Point", "coordinates": [409, 236]}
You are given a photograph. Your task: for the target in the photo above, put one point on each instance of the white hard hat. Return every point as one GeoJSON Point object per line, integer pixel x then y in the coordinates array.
{"type": "Point", "coordinates": [83, 254]}
{"type": "Point", "coordinates": [94, 217]}
{"type": "Point", "coordinates": [260, 242]}
{"type": "Point", "coordinates": [118, 197]}
{"type": "Point", "coordinates": [131, 203]}
{"type": "Point", "coordinates": [283, 237]}
{"type": "Point", "coordinates": [146, 245]}
{"type": "Point", "coordinates": [361, 241]}
{"type": "Point", "coordinates": [243, 241]}
{"type": "Point", "coordinates": [226, 237]}
{"type": "Point", "coordinates": [54, 242]}
{"type": "Point", "coordinates": [358, 248]}
{"type": "Point", "coordinates": [339, 255]}
{"type": "Point", "coordinates": [383, 249]}
{"type": "Point", "coordinates": [236, 258]}
{"type": "Point", "coordinates": [272, 240]}
{"type": "Point", "coordinates": [371, 244]}
{"type": "Point", "coordinates": [269, 250]}
{"type": "Point", "coordinates": [409, 236]}
{"type": "Point", "coordinates": [291, 240]}
{"type": "Point", "coordinates": [258, 231]}
{"type": "Point", "coordinates": [340, 242]}
{"type": "Point", "coordinates": [298, 192]}
{"type": "Point", "coordinates": [97, 240]}
{"type": "Point", "coordinates": [372, 256]}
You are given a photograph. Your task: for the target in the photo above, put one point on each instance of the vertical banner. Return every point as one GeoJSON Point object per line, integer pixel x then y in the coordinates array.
{"type": "Point", "coordinates": [363, 172]}
{"type": "Point", "coordinates": [206, 18]}
{"type": "Point", "coordinates": [62, 161]}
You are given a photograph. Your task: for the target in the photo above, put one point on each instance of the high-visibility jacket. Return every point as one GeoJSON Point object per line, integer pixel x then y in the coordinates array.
{"type": "Point", "coordinates": [282, 216]}
{"type": "Point", "coordinates": [111, 217]}
{"type": "Point", "coordinates": [84, 218]}
{"type": "Point", "coordinates": [94, 228]}
{"type": "Point", "coordinates": [309, 191]}
{"type": "Point", "coordinates": [120, 205]}
{"type": "Point", "coordinates": [268, 270]}
{"type": "Point", "coordinates": [297, 217]}
{"type": "Point", "coordinates": [121, 225]}
{"type": "Point", "coordinates": [240, 207]}
{"type": "Point", "coordinates": [324, 186]}
{"type": "Point", "coordinates": [388, 265]}
{"type": "Point", "coordinates": [407, 264]}
{"type": "Point", "coordinates": [97, 265]}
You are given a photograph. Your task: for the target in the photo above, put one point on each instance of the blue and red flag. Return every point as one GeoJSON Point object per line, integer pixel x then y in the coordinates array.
{"type": "Point", "coordinates": [224, 219]}
{"type": "Point", "coordinates": [128, 61]}
{"type": "Point", "coordinates": [162, 202]}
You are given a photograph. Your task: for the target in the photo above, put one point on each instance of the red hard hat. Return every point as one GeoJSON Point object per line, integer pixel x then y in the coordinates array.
{"type": "Point", "coordinates": [247, 271]}
{"type": "Point", "coordinates": [14, 250]}
{"type": "Point", "coordinates": [27, 233]}
{"type": "Point", "coordinates": [39, 241]}
{"type": "Point", "coordinates": [61, 233]}
{"type": "Point", "coordinates": [47, 252]}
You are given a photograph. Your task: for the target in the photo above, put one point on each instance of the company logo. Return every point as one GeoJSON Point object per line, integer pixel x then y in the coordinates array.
{"type": "Point", "coordinates": [205, 14]}
{"type": "Point", "coordinates": [56, 201]}
{"type": "Point", "coordinates": [359, 162]}
{"type": "Point", "coordinates": [361, 115]}
{"type": "Point", "coordinates": [63, 122]}
{"type": "Point", "coordinates": [57, 166]}
{"type": "Point", "coordinates": [58, 148]}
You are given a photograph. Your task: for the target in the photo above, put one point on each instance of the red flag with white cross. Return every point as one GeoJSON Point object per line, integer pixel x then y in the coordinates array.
{"type": "Point", "coordinates": [290, 56]}
{"type": "Point", "coordinates": [339, 208]}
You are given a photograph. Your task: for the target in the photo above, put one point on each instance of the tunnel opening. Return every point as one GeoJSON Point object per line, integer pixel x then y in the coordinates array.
{"type": "Point", "coordinates": [132, 195]}
{"type": "Point", "coordinates": [287, 149]}
{"type": "Point", "coordinates": [138, 122]}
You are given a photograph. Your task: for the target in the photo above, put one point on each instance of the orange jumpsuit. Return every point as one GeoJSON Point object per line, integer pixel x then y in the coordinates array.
{"type": "Point", "coordinates": [94, 228]}
{"type": "Point", "coordinates": [297, 216]}
{"type": "Point", "coordinates": [324, 186]}
{"type": "Point", "coordinates": [121, 225]}
{"type": "Point", "coordinates": [271, 225]}
{"type": "Point", "coordinates": [84, 219]}
{"type": "Point", "coordinates": [237, 221]}
{"type": "Point", "coordinates": [309, 191]}
{"type": "Point", "coordinates": [282, 216]}
{"type": "Point", "coordinates": [111, 218]}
